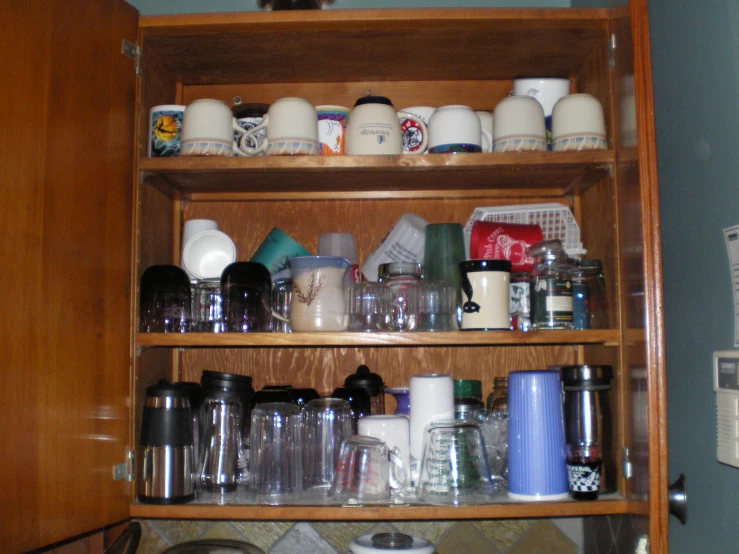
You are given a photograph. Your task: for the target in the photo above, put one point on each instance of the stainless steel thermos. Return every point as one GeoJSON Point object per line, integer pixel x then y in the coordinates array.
{"type": "Point", "coordinates": [166, 475]}
{"type": "Point", "coordinates": [587, 414]}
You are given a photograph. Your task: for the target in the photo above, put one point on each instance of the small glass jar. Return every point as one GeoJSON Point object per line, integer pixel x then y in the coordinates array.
{"type": "Point", "coordinates": [400, 277]}
{"type": "Point", "coordinates": [551, 287]}
{"type": "Point", "coordinates": [590, 304]}
{"type": "Point", "coordinates": [498, 399]}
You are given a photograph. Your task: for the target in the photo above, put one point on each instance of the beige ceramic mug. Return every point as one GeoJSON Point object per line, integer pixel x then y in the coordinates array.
{"type": "Point", "coordinates": [292, 130]}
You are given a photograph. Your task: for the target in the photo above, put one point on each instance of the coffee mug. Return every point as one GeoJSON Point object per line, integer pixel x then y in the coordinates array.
{"type": "Point", "coordinates": [247, 117]}
{"type": "Point", "coordinates": [165, 123]}
{"type": "Point", "coordinates": [292, 130]}
{"type": "Point", "coordinates": [547, 91]}
{"type": "Point", "coordinates": [317, 302]}
{"type": "Point", "coordinates": [578, 124]}
{"type": "Point", "coordinates": [457, 129]}
{"type": "Point", "coordinates": [207, 254]}
{"type": "Point", "coordinates": [518, 125]}
{"type": "Point", "coordinates": [413, 133]}
{"type": "Point", "coordinates": [208, 129]}
{"type": "Point", "coordinates": [332, 129]}
{"type": "Point", "coordinates": [374, 128]}
{"type": "Point", "coordinates": [486, 286]}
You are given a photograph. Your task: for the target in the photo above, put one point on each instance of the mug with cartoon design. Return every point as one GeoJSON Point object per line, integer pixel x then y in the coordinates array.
{"type": "Point", "coordinates": [485, 284]}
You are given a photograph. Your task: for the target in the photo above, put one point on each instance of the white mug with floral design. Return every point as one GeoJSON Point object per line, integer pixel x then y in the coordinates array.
{"type": "Point", "coordinates": [317, 301]}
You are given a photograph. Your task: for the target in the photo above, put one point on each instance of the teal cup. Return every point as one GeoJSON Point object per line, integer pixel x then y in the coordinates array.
{"type": "Point", "coordinates": [276, 249]}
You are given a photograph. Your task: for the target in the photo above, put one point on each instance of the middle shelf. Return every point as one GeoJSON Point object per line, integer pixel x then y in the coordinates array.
{"type": "Point", "coordinates": [606, 337]}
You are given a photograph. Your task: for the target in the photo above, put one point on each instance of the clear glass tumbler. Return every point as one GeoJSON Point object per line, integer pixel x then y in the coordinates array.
{"type": "Point", "coordinates": [327, 422]}
{"type": "Point", "coordinates": [275, 453]}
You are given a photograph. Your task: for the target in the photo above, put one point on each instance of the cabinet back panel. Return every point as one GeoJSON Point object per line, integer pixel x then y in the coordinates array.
{"type": "Point", "coordinates": [368, 220]}
{"type": "Point", "coordinates": [480, 95]}
{"type": "Point", "coordinates": [326, 368]}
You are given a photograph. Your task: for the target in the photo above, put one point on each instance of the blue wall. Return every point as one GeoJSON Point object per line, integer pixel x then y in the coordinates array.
{"type": "Point", "coordinates": [695, 49]}
{"type": "Point", "coordinates": [157, 7]}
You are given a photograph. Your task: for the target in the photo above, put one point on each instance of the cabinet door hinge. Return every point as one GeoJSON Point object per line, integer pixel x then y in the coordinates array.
{"type": "Point", "coordinates": [626, 463]}
{"type": "Point", "coordinates": [124, 471]}
{"type": "Point", "coordinates": [132, 51]}
{"type": "Point", "coordinates": [612, 51]}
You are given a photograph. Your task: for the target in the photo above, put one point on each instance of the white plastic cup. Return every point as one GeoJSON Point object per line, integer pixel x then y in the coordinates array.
{"type": "Point", "coordinates": [404, 243]}
{"type": "Point", "coordinates": [191, 228]}
{"type": "Point", "coordinates": [341, 245]}
{"type": "Point", "coordinates": [207, 253]}
{"type": "Point", "coordinates": [432, 399]}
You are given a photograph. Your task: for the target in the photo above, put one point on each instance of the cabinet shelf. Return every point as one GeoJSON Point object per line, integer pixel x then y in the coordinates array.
{"type": "Point", "coordinates": [607, 337]}
{"type": "Point", "coordinates": [515, 174]}
{"type": "Point", "coordinates": [503, 509]}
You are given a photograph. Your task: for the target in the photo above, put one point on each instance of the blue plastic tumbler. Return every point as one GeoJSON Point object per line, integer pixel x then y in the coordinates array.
{"type": "Point", "coordinates": [537, 467]}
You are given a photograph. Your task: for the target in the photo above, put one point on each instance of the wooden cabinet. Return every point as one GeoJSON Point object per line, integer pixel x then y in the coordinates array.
{"type": "Point", "coordinates": [415, 57]}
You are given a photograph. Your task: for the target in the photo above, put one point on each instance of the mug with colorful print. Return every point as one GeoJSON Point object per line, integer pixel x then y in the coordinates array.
{"type": "Point", "coordinates": [165, 122]}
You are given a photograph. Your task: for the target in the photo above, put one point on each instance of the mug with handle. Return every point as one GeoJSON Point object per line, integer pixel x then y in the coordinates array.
{"type": "Point", "coordinates": [208, 128]}
{"type": "Point", "coordinates": [374, 128]}
{"type": "Point", "coordinates": [292, 130]}
{"type": "Point", "coordinates": [457, 129]}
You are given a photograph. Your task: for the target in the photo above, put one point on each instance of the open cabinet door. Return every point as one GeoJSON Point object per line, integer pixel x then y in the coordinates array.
{"type": "Point", "coordinates": [643, 394]}
{"type": "Point", "coordinates": [66, 197]}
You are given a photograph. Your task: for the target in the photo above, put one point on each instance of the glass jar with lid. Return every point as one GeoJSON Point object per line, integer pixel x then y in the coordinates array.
{"type": "Point", "coordinates": [590, 304]}
{"type": "Point", "coordinates": [400, 277]}
{"type": "Point", "coordinates": [551, 286]}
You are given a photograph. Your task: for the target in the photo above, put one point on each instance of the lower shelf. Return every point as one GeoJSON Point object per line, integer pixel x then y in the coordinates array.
{"type": "Point", "coordinates": [503, 508]}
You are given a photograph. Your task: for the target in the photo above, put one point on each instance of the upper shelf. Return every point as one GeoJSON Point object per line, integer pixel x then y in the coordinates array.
{"type": "Point", "coordinates": [516, 174]}
{"type": "Point", "coordinates": [379, 44]}
{"type": "Point", "coordinates": [608, 337]}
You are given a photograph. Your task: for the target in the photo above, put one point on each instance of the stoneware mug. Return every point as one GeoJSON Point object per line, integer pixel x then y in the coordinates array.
{"type": "Point", "coordinates": [578, 124]}
{"type": "Point", "coordinates": [292, 130]}
{"type": "Point", "coordinates": [208, 128]}
{"type": "Point", "coordinates": [374, 128]}
{"type": "Point", "coordinates": [518, 124]}
{"type": "Point", "coordinates": [457, 129]}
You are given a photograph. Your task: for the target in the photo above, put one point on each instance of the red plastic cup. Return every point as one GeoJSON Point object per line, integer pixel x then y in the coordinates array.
{"type": "Point", "coordinates": [504, 241]}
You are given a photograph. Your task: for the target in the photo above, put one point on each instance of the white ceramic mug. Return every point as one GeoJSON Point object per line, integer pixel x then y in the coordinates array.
{"type": "Point", "coordinates": [208, 129]}
{"type": "Point", "coordinates": [292, 130]}
{"type": "Point", "coordinates": [412, 132]}
{"type": "Point", "coordinates": [518, 123]}
{"type": "Point", "coordinates": [578, 124]}
{"type": "Point", "coordinates": [374, 128]}
{"type": "Point", "coordinates": [457, 129]}
{"type": "Point", "coordinates": [404, 243]}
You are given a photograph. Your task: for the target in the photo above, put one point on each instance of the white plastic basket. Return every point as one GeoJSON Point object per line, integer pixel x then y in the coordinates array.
{"type": "Point", "coordinates": [556, 222]}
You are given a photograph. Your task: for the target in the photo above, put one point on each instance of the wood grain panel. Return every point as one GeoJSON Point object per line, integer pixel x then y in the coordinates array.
{"type": "Point", "coordinates": [25, 42]}
{"type": "Point", "coordinates": [84, 335]}
{"type": "Point", "coordinates": [540, 42]}
{"type": "Point", "coordinates": [248, 223]}
{"type": "Point", "coordinates": [326, 368]}
{"type": "Point", "coordinates": [479, 95]}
